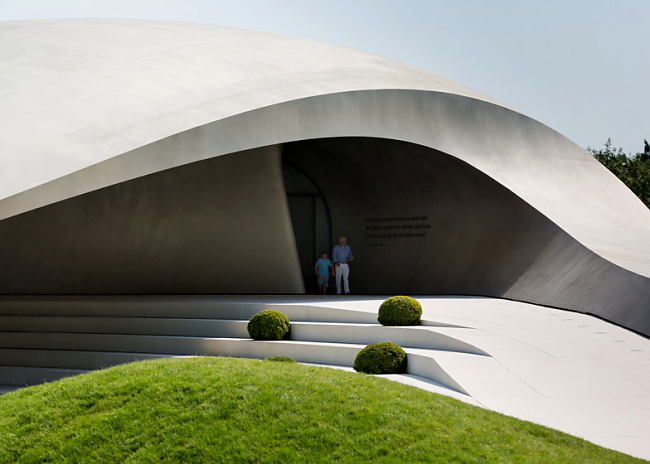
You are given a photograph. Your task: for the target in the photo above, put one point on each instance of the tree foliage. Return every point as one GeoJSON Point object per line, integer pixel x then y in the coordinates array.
{"type": "Point", "coordinates": [632, 170]}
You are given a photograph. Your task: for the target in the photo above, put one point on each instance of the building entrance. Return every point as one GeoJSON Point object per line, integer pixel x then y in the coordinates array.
{"type": "Point", "coordinates": [311, 221]}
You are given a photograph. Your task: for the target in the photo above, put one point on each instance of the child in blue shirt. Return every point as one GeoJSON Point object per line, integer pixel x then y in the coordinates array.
{"type": "Point", "coordinates": [323, 270]}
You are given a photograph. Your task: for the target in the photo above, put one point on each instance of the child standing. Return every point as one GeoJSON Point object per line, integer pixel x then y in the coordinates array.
{"type": "Point", "coordinates": [323, 270]}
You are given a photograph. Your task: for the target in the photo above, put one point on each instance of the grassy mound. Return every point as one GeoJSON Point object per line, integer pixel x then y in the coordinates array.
{"type": "Point", "coordinates": [241, 410]}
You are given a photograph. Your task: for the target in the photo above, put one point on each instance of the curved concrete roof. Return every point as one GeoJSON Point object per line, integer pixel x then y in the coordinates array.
{"type": "Point", "coordinates": [91, 103]}
{"type": "Point", "coordinates": [82, 91]}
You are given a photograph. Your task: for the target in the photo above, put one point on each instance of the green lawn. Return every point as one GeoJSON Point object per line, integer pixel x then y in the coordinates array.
{"type": "Point", "coordinates": [239, 410]}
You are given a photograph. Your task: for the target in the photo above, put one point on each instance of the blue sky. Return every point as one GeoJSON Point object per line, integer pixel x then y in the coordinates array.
{"type": "Point", "coordinates": [581, 67]}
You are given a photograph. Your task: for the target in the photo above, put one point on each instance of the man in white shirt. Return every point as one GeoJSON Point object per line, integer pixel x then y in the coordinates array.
{"type": "Point", "coordinates": [342, 256]}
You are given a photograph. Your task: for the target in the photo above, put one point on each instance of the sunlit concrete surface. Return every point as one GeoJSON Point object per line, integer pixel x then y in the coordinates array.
{"type": "Point", "coordinates": [566, 370]}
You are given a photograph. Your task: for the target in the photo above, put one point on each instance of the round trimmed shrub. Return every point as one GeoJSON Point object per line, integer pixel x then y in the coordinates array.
{"type": "Point", "coordinates": [269, 325]}
{"type": "Point", "coordinates": [282, 359]}
{"type": "Point", "coordinates": [400, 310]}
{"type": "Point", "coordinates": [381, 358]}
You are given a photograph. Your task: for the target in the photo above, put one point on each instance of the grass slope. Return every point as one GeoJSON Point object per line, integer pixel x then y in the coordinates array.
{"type": "Point", "coordinates": [240, 410]}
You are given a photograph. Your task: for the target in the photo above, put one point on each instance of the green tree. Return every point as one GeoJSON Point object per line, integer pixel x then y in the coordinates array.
{"type": "Point", "coordinates": [632, 170]}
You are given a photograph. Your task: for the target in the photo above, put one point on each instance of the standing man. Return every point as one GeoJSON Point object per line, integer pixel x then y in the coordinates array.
{"type": "Point", "coordinates": [342, 256]}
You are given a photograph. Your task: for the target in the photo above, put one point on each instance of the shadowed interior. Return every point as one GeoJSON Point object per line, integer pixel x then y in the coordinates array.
{"type": "Point", "coordinates": [419, 221]}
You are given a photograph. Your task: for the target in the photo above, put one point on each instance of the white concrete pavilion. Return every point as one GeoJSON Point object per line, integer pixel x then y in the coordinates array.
{"type": "Point", "coordinates": [148, 158]}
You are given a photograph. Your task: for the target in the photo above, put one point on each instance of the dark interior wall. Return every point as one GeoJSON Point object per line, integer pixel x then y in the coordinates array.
{"type": "Point", "coordinates": [419, 221]}
{"type": "Point", "coordinates": [215, 226]}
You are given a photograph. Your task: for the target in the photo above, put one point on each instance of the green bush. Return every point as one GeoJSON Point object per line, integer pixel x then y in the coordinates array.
{"type": "Point", "coordinates": [269, 325]}
{"type": "Point", "coordinates": [282, 359]}
{"type": "Point", "coordinates": [381, 358]}
{"type": "Point", "coordinates": [400, 310]}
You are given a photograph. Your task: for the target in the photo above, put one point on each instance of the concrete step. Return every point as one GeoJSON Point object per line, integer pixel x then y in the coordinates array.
{"type": "Point", "coordinates": [64, 359]}
{"type": "Point", "coordinates": [414, 337]}
{"type": "Point", "coordinates": [86, 351]}
{"type": "Point", "coordinates": [182, 307]}
{"type": "Point", "coordinates": [364, 334]}
{"type": "Point", "coordinates": [68, 334]}
{"type": "Point", "coordinates": [125, 325]}
{"type": "Point", "coordinates": [189, 307]}
{"type": "Point", "coordinates": [24, 376]}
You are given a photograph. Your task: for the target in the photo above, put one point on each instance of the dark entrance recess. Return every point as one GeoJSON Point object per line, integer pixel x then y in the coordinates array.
{"type": "Point", "coordinates": [311, 220]}
{"type": "Point", "coordinates": [418, 221]}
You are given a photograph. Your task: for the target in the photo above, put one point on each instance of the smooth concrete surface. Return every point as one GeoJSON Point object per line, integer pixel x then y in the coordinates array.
{"type": "Point", "coordinates": [233, 307]}
{"type": "Point", "coordinates": [411, 337]}
{"type": "Point", "coordinates": [194, 229]}
{"type": "Point", "coordinates": [407, 337]}
{"type": "Point", "coordinates": [69, 360]}
{"type": "Point", "coordinates": [87, 350]}
{"type": "Point", "coordinates": [110, 86]}
{"type": "Point", "coordinates": [14, 377]}
{"type": "Point", "coordinates": [566, 370]}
